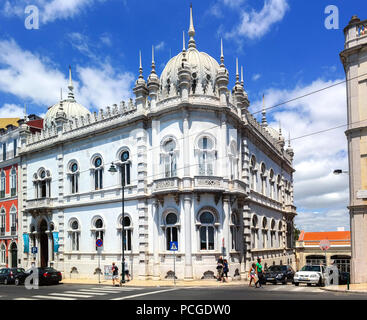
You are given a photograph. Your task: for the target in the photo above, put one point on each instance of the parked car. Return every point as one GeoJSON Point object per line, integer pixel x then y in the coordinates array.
{"type": "Point", "coordinates": [310, 274]}
{"type": "Point", "coordinates": [279, 273]}
{"type": "Point", "coordinates": [12, 275]}
{"type": "Point", "coordinates": [46, 275]}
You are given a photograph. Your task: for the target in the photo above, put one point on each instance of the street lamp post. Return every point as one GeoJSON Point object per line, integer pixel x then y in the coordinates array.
{"type": "Point", "coordinates": [113, 171]}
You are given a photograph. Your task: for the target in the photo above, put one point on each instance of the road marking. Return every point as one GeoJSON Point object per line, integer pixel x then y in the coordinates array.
{"type": "Point", "coordinates": [108, 291]}
{"type": "Point", "coordinates": [81, 295]}
{"type": "Point", "coordinates": [24, 299]}
{"type": "Point", "coordinates": [113, 290]}
{"type": "Point", "coordinates": [144, 294]}
{"type": "Point", "coordinates": [53, 297]}
{"type": "Point", "coordinates": [92, 292]}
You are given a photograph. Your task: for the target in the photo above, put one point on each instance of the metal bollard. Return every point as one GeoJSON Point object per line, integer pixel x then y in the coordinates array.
{"type": "Point", "coordinates": [348, 280]}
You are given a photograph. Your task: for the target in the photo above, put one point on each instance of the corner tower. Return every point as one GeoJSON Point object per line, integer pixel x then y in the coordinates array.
{"type": "Point", "coordinates": [354, 59]}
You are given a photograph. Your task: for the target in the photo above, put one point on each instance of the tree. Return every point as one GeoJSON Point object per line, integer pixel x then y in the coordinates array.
{"type": "Point", "coordinates": [296, 233]}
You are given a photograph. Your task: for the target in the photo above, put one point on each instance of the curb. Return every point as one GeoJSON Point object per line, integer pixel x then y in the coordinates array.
{"type": "Point", "coordinates": [344, 290]}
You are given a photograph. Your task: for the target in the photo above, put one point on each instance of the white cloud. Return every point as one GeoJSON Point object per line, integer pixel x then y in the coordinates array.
{"type": "Point", "coordinates": [49, 11]}
{"type": "Point", "coordinates": [316, 188]}
{"type": "Point", "coordinates": [30, 77]}
{"type": "Point", "coordinates": [256, 77]}
{"type": "Point", "coordinates": [11, 111]}
{"type": "Point", "coordinates": [160, 46]}
{"type": "Point", "coordinates": [255, 24]}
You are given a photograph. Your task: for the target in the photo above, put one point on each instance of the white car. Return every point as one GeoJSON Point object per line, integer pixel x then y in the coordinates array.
{"type": "Point", "coordinates": [310, 274]}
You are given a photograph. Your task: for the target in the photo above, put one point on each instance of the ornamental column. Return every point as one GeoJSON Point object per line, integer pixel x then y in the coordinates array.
{"type": "Point", "coordinates": [188, 238]}
{"type": "Point", "coordinates": [155, 209]}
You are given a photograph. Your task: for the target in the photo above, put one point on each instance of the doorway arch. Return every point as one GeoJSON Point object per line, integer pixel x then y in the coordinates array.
{"type": "Point", "coordinates": [44, 243]}
{"type": "Point", "coordinates": [13, 255]}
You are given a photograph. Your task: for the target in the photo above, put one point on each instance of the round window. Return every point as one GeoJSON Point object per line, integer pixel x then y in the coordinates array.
{"type": "Point", "coordinates": [169, 145]}
{"type": "Point", "coordinates": [74, 167]}
{"type": "Point", "coordinates": [206, 217]}
{"type": "Point", "coordinates": [171, 218]}
{"type": "Point", "coordinates": [99, 223]}
{"type": "Point", "coordinates": [98, 162]}
{"type": "Point", "coordinates": [75, 225]}
{"type": "Point", "coordinates": [125, 156]}
{"type": "Point", "coordinates": [43, 174]}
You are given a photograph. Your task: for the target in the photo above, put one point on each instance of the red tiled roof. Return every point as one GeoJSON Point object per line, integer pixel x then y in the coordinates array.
{"type": "Point", "coordinates": [335, 237]}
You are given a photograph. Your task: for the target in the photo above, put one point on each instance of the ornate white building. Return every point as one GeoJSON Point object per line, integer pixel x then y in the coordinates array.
{"type": "Point", "coordinates": [198, 169]}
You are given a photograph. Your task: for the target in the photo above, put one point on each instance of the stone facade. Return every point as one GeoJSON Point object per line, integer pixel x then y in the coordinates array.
{"type": "Point", "coordinates": [354, 59]}
{"type": "Point", "coordinates": [199, 169]}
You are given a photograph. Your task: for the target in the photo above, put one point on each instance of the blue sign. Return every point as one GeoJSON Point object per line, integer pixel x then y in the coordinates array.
{"type": "Point", "coordinates": [34, 250]}
{"type": "Point", "coordinates": [173, 245]}
{"type": "Point", "coordinates": [56, 241]}
{"type": "Point", "coordinates": [26, 242]}
{"type": "Point", "coordinates": [99, 243]}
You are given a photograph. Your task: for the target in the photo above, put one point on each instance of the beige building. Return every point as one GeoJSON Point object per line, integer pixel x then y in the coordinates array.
{"type": "Point", "coordinates": [308, 249]}
{"type": "Point", "coordinates": [354, 59]}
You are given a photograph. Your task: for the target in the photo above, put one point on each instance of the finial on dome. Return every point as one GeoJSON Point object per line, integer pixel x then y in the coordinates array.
{"type": "Point", "coordinates": [289, 140]}
{"type": "Point", "coordinates": [264, 122]}
{"type": "Point", "coordinates": [140, 66]}
{"type": "Point", "coordinates": [280, 128]}
{"type": "Point", "coordinates": [242, 76]}
{"type": "Point", "coordinates": [183, 47]}
{"type": "Point", "coordinates": [237, 74]}
{"type": "Point", "coordinates": [221, 52]}
{"type": "Point", "coordinates": [70, 86]}
{"type": "Point", "coordinates": [153, 62]}
{"type": "Point", "coordinates": [25, 112]}
{"type": "Point", "coordinates": [61, 108]}
{"type": "Point", "coordinates": [192, 43]}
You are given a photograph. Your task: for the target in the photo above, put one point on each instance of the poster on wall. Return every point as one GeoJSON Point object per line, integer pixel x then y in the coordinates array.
{"type": "Point", "coordinates": [26, 242]}
{"type": "Point", "coordinates": [108, 272]}
{"type": "Point", "coordinates": [56, 241]}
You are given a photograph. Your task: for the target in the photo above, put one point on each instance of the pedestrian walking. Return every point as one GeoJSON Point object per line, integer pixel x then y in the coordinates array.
{"type": "Point", "coordinates": [127, 273]}
{"type": "Point", "coordinates": [225, 270]}
{"type": "Point", "coordinates": [115, 274]}
{"type": "Point", "coordinates": [259, 273]}
{"type": "Point", "coordinates": [220, 268]}
{"type": "Point", "coordinates": [253, 275]}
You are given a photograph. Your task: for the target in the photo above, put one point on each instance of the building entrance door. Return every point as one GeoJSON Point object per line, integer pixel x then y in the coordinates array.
{"type": "Point", "coordinates": [44, 244]}
{"type": "Point", "coordinates": [14, 255]}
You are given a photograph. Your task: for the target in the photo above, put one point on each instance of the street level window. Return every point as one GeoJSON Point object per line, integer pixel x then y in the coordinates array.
{"type": "Point", "coordinates": [207, 231]}
{"type": "Point", "coordinates": [171, 229]}
{"type": "Point", "coordinates": [127, 232]}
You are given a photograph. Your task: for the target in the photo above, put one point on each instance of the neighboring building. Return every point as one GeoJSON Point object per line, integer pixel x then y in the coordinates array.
{"type": "Point", "coordinates": [354, 58]}
{"type": "Point", "coordinates": [9, 166]}
{"type": "Point", "coordinates": [308, 249]}
{"type": "Point", "coordinates": [197, 169]}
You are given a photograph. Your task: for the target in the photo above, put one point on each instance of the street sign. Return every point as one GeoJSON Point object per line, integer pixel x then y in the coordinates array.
{"type": "Point", "coordinates": [173, 245]}
{"type": "Point", "coordinates": [34, 250]}
{"type": "Point", "coordinates": [325, 245]}
{"type": "Point", "coordinates": [99, 243]}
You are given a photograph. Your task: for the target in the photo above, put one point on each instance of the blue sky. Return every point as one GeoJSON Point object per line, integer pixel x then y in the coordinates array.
{"type": "Point", "coordinates": [283, 46]}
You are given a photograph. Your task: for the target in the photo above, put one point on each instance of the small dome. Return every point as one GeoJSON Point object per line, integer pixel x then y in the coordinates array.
{"type": "Point", "coordinates": [203, 67]}
{"type": "Point", "coordinates": [71, 108]}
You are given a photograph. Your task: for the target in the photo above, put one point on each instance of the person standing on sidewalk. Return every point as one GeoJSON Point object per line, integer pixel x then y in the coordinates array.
{"type": "Point", "coordinates": [220, 268]}
{"type": "Point", "coordinates": [225, 270]}
{"type": "Point", "coordinates": [115, 274]}
{"type": "Point", "coordinates": [127, 273]}
{"type": "Point", "coordinates": [259, 273]}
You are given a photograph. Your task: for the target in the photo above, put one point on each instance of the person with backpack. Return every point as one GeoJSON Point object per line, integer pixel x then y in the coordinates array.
{"type": "Point", "coordinates": [115, 274]}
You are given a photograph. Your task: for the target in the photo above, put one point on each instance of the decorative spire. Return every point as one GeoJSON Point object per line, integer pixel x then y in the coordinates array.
{"type": "Point", "coordinates": [289, 140]}
{"type": "Point", "coordinates": [242, 76]}
{"type": "Point", "coordinates": [183, 47]}
{"type": "Point", "coordinates": [237, 74]}
{"type": "Point", "coordinates": [140, 67]}
{"type": "Point", "coordinates": [61, 102]}
{"type": "Point", "coordinates": [221, 52]}
{"type": "Point", "coordinates": [280, 128]}
{"type": "Point", "coordinates": [70, 86]}
{"type": "Point", "coordinates": [192, 43]}
{"type": "Point", "coordinates": [25, 112]}
{"type": "Point", "coordinates": [263, 120]}
{"type": "Point", "coordinates": [153, 62]}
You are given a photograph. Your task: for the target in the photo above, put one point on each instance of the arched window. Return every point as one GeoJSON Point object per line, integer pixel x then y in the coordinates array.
{"type": "Point", "coordinates": [254, 233]}
{"type": "Point", "coordinates": [263, 178]}
{"type": "Point", "coordinates": [272, 233]}
{"type": "Point", "coordinates": [3, 254]}
{"type": "Point", "coordinates": [171, 220]}
{"type": "Point", "coordinates": [75, 234]}
{"type": "Point", "coordinates": [253, 172]}
{"type": "Point", "coordinates": [2, 221]}
{"type": "Point", "coordinates": [98, 173]}
{"type": "Point", "coordinates": [234, 227]}
{"type": "Point", "coordinates": [280, 234]}
{"type": "Point", "coordinates": [233, 160]}
{"type": "Point", "coordinates": [127, 232]}
{"type": "Point", "coordinates": [125, 168]}
{"type": "Point", "coordinates": [265, 232]}
{"type": "Point", "coordinates": [207, 230]}
{"type": "Point", "coordinates": [42, 183]}
{"type": "Point", "coordinates": [74, 177]}
{"type": "Point", "coordinates": [13, 182]}
{"type": "Point", "coordinates": [279, 188]}
{"type": "Point", "coordinates": [272, 183]}
{"type": "Point", "coordinates": [32, 235]}
{"type": "Point", "coordinates": [99, 229]}
{"type": "Point", "coordinates": [3, 185]}
{"type": "Point", "coordinates": [206, 156]}
{"type": "Point", "coordinates": [13, 220]}
{"type": "Point", "coordinates": [169, 158]}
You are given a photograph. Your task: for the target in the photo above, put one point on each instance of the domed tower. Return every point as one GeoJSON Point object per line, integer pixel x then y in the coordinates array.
{"type": "Point", "coordinates": [141, 90]}
{"type": "Point", "coordinates": [68, 109]}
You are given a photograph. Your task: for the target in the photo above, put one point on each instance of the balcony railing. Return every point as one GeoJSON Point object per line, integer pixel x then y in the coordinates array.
{"type": "Point", "coordinates": [44, 203]}
{"type": "Point", "coordinates": [166, 184]}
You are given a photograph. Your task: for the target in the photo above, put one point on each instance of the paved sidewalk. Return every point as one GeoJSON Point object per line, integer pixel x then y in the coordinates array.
{"type": "Point", "coordinates": [353, 288]}
{"type": "Point", "coordinates": [160, 283]}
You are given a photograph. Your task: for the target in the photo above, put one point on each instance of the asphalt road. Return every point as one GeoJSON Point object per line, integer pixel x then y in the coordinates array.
{"type": "Point", "coordinates": [107, 292]}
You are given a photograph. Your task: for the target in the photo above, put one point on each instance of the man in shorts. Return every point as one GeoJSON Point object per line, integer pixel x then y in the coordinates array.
{"type": "Point", "coordinates": [115, 274]}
